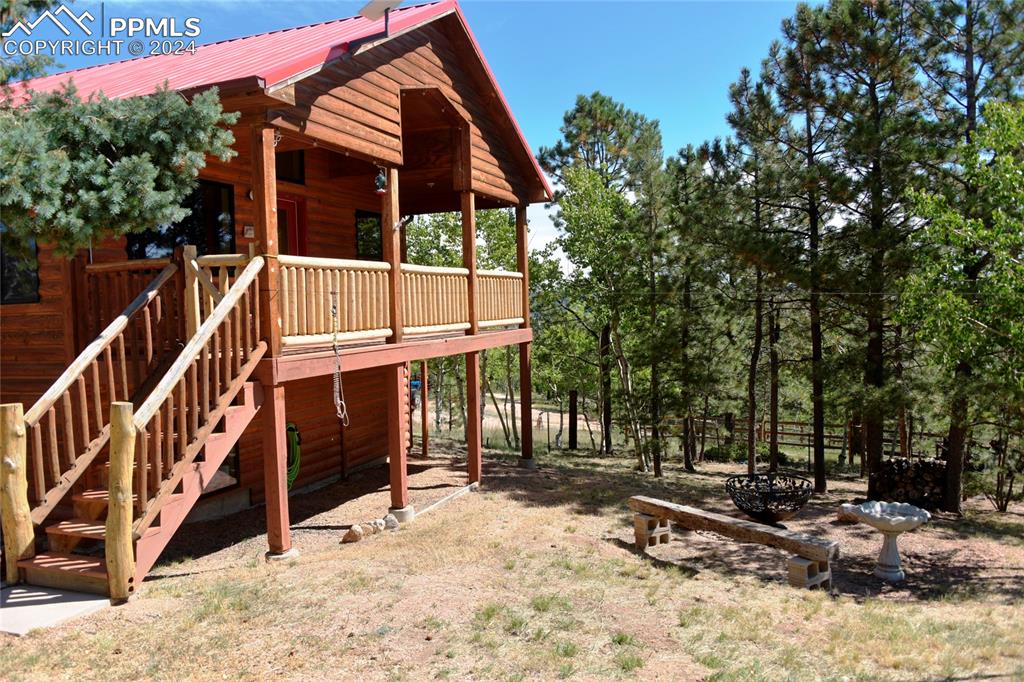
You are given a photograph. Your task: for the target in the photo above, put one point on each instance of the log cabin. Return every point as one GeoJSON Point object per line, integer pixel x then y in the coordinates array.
{"type": "Point", "coordinates": [146, 371]}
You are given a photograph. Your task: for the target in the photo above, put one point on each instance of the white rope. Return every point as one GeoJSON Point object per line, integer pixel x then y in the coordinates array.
{"type": "Point", "coordinates": [339, 390]}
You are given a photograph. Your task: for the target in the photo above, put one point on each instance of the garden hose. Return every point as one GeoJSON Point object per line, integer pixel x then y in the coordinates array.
{"type": "Point", "coordinates": [294, 452]}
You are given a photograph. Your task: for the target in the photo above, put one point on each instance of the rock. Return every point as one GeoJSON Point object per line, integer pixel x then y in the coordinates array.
{"type": "Point", "coordinates": [391, 523]}
{"type": "Point", "coordinates": [378, 525]}
{"type": "Point", "coordinates": [354, 534]}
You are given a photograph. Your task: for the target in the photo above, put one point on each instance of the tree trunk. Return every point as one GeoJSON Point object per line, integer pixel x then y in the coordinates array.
{"type": "Point", "coordinates": [438, 385]}
{"type": "Point", "coordinates": [773, 400]}
{"type": "Point", "coordinates": [574, 397]}
{"type": "Point", "coordinates": [755, 354]}
{"type": "Point", "coordinates": [501, 415]}
{"type": "Point", "coordinates": [703, 428]}
{"type": "Point", "coordinates": [625, 377]}
{"type": "Point", "coordinates": [814, 313]}
{"type": "Point", "coordinates": [461, 392]}
{"type": "Point", "coordinates": [590, 431]}
{"type": "Point", "coordinates": [561, 424]}
{"type": "Point", "coordinates": [605, 352]}
{"type": "Point", "coordinates": [687, 457]}
{"type": "Point", "coordinates": [951, 501]}
{"type": "Point", "coordinates": [874, 379]}
{"type": "Point", "coordinates": [512, 398]}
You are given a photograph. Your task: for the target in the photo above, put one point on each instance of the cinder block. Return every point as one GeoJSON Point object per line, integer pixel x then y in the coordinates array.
{"type": "Point", "coordinates": [807, 573]}
{"type": "Point", "coordinates": [650, 531]}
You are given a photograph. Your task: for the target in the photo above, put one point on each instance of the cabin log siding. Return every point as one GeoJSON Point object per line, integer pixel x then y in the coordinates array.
{"type": "Point", "coordinates": [360, 100]}
{"type": "Point", "coordinates": [309, 404]}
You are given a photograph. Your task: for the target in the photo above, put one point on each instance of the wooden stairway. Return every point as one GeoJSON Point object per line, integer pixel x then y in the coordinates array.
{"type": "Point", "coordinates": [73, 561]}
{"type": "Point", "coordinates": [144, 469]}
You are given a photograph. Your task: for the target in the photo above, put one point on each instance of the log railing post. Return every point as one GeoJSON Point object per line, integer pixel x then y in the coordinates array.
{"type": "Point", "coordinates": [16, 518]}
{"type": "Point", "coordinates": [391, 239]}
{"type": "Point", "coordinates": [193, 317]}
{"type": "Point", "coordinates": [120, 550]}
{"type": "Point", "coordinates": [469, 258]}
{"type": "Point", "coordinates": [264, 196]}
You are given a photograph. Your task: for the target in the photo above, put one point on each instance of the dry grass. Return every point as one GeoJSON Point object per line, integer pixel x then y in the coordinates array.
{"type": "Point", "coordinates": [532, 579]}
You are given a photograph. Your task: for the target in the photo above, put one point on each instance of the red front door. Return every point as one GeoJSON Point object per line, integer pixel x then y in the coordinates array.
{"type": "Point", "coordinates": [291, 225]}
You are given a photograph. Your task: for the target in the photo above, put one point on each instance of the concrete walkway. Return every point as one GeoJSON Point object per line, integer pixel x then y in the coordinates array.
{"type": "Point", "coordinates": [28, 607]}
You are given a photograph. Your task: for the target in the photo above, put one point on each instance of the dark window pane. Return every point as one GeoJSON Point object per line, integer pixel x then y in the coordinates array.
{"type": "Point", "coordinates": [291, 166]}
{"type": "Point", "coordinates": [19, 275]}
{"type": "Point", "coordinates": [210, 226]}
{"type": "Point", "coordinates": [368, 238]}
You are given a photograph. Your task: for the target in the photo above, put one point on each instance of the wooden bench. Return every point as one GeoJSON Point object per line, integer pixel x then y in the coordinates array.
{"type": "Point", "coordinates": [810, 565]}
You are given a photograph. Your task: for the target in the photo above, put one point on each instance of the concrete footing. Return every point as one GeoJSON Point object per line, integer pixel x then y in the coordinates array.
{"type": "Point", "coordinates": [404, 514]}
{"type": "Point", "coordinates": [292, 553]}
{"type": "Point", "coordinates": [527, 463]}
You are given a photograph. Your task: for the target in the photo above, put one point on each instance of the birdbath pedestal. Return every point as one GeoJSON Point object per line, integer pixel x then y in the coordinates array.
{"type": "Point", "coordinates": [891, 519]}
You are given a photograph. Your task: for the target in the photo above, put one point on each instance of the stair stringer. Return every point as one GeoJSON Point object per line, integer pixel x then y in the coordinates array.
{"type": "Point", "coordinates": [217, 447]}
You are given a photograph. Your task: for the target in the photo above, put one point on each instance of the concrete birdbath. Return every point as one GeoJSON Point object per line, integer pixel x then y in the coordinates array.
{"type": "Point", "coordinates": [891, 519]}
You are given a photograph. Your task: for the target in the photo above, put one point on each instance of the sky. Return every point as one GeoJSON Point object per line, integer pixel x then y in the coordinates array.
{"type": "Point", "coordinates": [670, 60]}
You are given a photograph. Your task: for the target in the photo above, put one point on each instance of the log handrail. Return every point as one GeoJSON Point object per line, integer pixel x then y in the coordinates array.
{"type": "Point", "coordinates": [499, 273]}
{"type": "Point", "coordinates": [342, 263]}
{"type": "Point", "coordinates": [123, 265]}
{"type": "Point", "coordinates": [194, 394]}
{"type": "Point", "coordinates": [433, 269]}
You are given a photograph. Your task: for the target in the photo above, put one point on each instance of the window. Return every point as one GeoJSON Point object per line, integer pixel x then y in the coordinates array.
{"type": "Point", "coordinates": [210, 226]}
{"type": "Point", "coordinates": [19, 275]}
{"type": "Point", "coordinates": [368, 239]}
{"type": "Point", "coordinates": [291, 166]}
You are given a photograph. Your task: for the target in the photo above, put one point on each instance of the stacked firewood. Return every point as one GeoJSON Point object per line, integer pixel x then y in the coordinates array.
{"type": "Point", "coordinates": [919, 481]}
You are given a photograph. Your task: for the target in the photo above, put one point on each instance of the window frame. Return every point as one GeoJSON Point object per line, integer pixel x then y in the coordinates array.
{"type": "Point", "coordinates": [26, 300]}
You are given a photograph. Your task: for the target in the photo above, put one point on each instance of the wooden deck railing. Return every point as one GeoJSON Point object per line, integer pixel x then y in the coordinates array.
{"type": "Point", "coordinates": [111, 287]}
{"type": "Point", "coordinates": [67, 426]}
{"type": "Point", "coordinates": [184, 408]}
{"type": "Point", "coordinates": [434, 299]}
{"type": "Point", "coordinates": [500, 298]}
{"type": "Point", "coordinates": [311, 286]}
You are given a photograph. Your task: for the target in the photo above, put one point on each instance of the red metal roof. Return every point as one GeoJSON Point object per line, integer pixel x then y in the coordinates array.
{"type": "Point", "coordinates": [272, 57]}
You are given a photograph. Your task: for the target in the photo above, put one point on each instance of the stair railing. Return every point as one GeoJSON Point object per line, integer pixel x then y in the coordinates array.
{"type": "Point", "coordinates": [171, 427]}
{"type": "Point", "coordinates": [67, 427]}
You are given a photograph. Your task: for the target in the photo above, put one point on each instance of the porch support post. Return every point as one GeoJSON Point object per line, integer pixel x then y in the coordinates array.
{"type": "Point", "coordinates": [525, 369]}
{"type": "Point", "coordinates": [526, 459]}
{"type": "Point", "coordinates": [424, 408]}
{"type": "Point", "coordinates": [391, 238]}
{"type": "Point", "coordinates": [474, 455]}
{"type": "Point", "coordinates": [469, 256]}
{"type": "Point", "coordinates": [264, 194]}
{"type": "Point", "coordinates": [398, 476]}
{"type": "Point", "coordinates": [275, 476]}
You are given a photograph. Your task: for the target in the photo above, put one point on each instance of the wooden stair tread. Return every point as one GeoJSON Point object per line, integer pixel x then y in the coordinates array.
{"type": "Point", "coordinates": [96, 495]}
{"type": "Point", "coordinates": [86, 566]}
{"type": "Point", "coordinates": [85, 528]}
{"type": "Point", "coordinates": [79, 528]}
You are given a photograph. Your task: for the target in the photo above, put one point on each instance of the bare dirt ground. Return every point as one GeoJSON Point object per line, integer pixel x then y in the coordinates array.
{"type": "Point", "coordinates": [534, 577]}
